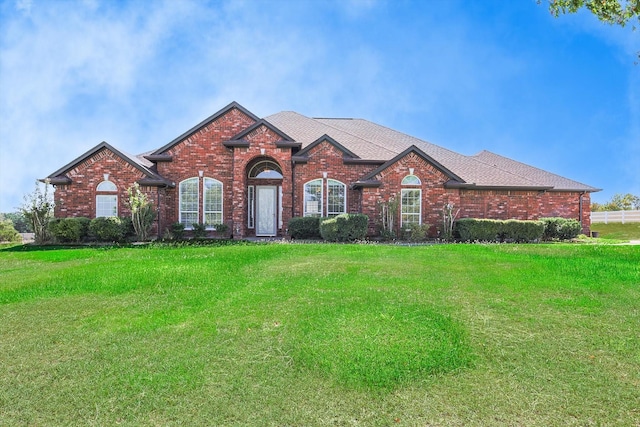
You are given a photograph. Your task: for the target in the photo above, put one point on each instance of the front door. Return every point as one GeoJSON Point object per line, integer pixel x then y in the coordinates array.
{"type": "Point", "coordinates": [266, 210]}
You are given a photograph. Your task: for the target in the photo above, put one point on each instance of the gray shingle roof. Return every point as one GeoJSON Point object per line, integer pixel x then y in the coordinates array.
{"type": "Point", "coordinates": [375, 142]}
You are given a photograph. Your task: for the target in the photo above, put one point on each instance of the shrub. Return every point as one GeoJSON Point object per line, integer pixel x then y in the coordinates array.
{"type": "Point", "coordinates": [556, 228]}
{"type": "Point", "coordinates": [490, 230]}
{"type": "Point", "coordinates": [415, 232]}
{"type": "Point", "coordinates": [37, 209]}
{"type": "Point", "coordinates": [307, 227]}
{"type": "Point", "coordinates": [199, 231]}
{"type": "Point", "coordinates": [514, 230]}
{"type": "Point", "coordinates": [67, 230]}
{"type": "Point", "coordinates": [142, 213]}
{"type": "Point", "coordinates": [107, 229]}
{"type": "Point", "coordinates": [483, 230]}
{"type": "Point", "coordinates": [8, 233]}
{"type": "Point", "coordinates": [175, 231]}
{"type": "Point", "coordinates": [220, 228]}
{"type": "Point", "coordinates": [570, 229]}
{"type": "Point", "coordinates": [344, 228]}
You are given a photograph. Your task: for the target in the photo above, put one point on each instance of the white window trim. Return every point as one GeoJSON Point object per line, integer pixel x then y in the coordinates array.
{"type": "Point", "coordinates": [344, 204]}
{"type": "Point", "coordinates": [251, 207]}
{"type": "Point", "coordinates": [419, 190]}
{"type": "Point", "coordinates": [304, 200]}
{"type": "Point", "coordinates": [204, 198]}
{"type": "Point", "coordinates": [180, 211]}
{"type": "Point", "coordinates": [113, 197]}
{"type": "Point", "coordinates": [412, 183]}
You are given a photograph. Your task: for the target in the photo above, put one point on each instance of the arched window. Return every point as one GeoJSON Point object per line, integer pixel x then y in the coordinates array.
{"type": "Point", "coordinates": [313, 198]}
{"type": "Point", "coordinates": [336, 197]}
{"type": "Point", "coordinates": [411, 202]}
{"type": "Point", "coordinates": [106, 204]}
{"type": "Point", "coordinates": [212, 202]}
{"type": "Point", "coordinates": [265, 169]}
{"type": "Point", "coordinates": [411, 180]}
{"type": "Point", "coordinates": [189, 196]}
{"type": "Point", "coordinates": [107, 186]}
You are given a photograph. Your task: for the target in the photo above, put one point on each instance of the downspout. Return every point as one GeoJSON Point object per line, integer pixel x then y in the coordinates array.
{"type": "Point", "coordinates": [293, 193]}
{"type": "Point", "coordinates": [581, 209]}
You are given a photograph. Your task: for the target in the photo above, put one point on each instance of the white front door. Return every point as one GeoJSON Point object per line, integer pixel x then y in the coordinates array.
{"type": "Point", "coordinates": [266, 210]}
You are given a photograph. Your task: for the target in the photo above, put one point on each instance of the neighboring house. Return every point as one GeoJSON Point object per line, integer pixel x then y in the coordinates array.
{"type": "Point", "coordinates": [256, 174]}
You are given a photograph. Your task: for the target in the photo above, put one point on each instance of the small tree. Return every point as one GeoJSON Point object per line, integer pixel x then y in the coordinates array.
{"type": "Point", "coordinates": [37, 209]}
{"type": "Point", "coordinates": [142, 214]}
{"type": "Point", "coordinates": [388, 213]}
{"type": "Point", "coordinates": [448, 220]}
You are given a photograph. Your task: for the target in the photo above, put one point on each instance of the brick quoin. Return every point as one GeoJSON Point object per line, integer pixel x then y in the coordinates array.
{"type": "Point", "coordinates": [202, 153]}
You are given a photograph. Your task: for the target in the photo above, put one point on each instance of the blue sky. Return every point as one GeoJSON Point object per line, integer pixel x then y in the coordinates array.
{"type": "Point", "coordinates": [562, 94]}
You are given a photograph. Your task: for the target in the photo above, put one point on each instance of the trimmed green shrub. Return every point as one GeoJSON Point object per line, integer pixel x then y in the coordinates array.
{"type": "Point", "coordinates": [67, 230]}
{"type": "Point", "coordinates": [556, 228]}
{"type": "Point", "coordinates": [490, 230]}
{"type": "Point", "coordinates": [482, 230]}
{"type": "Point", "coordinates": [107, 229]}
{"type": "Point", "coordinates": [344, 228]}
{"type": "Point", "coordinates": [513, 230]}
{"type": "Point", "coordinates": [306, 227]}
{"type": "Point", "coordinates": [8, 233]}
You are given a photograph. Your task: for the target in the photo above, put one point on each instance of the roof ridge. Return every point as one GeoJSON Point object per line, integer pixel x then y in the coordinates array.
{"type": "Point", "coordinates": [526, 165]}
{"type": "Point", "coordinates": [474, 157]}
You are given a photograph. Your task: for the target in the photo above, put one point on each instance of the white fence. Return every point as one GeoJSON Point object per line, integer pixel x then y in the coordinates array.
{"type": "Point", "coordinates": [615, 216]}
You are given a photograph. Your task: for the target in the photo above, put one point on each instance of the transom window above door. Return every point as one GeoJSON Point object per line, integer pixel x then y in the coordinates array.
{"type": "Point", "coordinates": [265, 169]}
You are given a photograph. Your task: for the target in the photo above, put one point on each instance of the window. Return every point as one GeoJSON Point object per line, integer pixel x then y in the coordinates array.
{"type": "Point", "coordinates": [411, 202]}
{"type": "Point", "coordinates": [107, 186]}
{"type": "Point", "coordinates": [189, 202]}
{"type": "Point", "coordinates": [106, 204]}
{"type": "Point", "coordinates": [313, 198]}
{"type": "Point", "coordinates": [212, 202]}
{"type": "Point", "coordinates": [251, 209]}
{"type": "Point", "coordinates": [336, 197]}
{"type": "Point", "coordinates": [411, 180]}
{"type": "Point", "coordinates": [265, 169]}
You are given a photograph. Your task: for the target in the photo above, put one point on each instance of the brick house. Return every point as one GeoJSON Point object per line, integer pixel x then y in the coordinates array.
{"type": "Point", "coordinates": [256, 174]}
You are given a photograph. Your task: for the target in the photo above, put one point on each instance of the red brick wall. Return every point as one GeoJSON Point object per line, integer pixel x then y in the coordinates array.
{"type": "Point", "coordinates": [204, 151]}
{"type": "Point", "coordinates": [260, 139]}
{"type": "Point", "coordinates": [78, 199]}
{"type": "Point", "coordinates": [434, 195]}
{"type": "Point", "coordinates": [325, 157]}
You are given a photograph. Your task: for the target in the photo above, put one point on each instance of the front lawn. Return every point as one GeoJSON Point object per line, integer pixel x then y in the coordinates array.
{"type": "Point", "coordinates": [319, 334]}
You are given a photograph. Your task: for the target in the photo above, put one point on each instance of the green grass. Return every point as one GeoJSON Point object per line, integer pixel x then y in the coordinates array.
{"type": "Point", "coordinates": [618, 231]}
{"type": "Point", "coordinates": [311, 335]}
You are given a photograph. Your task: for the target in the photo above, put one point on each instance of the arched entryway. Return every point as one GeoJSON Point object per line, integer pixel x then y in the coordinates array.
{"type": "Point", "coordinates": [264, 197]}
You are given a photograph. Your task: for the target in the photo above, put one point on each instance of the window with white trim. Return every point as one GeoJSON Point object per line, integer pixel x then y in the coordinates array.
{"type": "Point", "coordinates": [212, 202]}
{"type": "Point", "coordinates": [106, 204]}
{"type": "Point", "coordinates": [313, 198]}
{"type": "Point", "coordinates": [251, 209]}
{"type": "Point", "coordinates": [336, 197]}
{"type": "Point", "coordinates": [189, 202]}
{"type": "Point", "coordinates": [411, 201]}
{"type": "Point", "coordinates": [411, 180]}
{"type": "Point", "coordinates": [411, 206]}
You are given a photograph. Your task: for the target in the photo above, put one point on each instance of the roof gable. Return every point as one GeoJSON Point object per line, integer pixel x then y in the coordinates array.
{"type": "Point", "coordinates": [150, 178]}
{"type": "Point", "coordinates": [328, 139]}
{"type": "Point", "coordinates": [413, 149]}
{"type": "Point", "coordinates": [206, 122]}
{"type": "Point", "coordinates": [261, 122]}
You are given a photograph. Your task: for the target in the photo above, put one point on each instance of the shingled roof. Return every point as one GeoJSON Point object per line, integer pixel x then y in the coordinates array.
{"type": "Point", "coordinates": [371, 141]}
